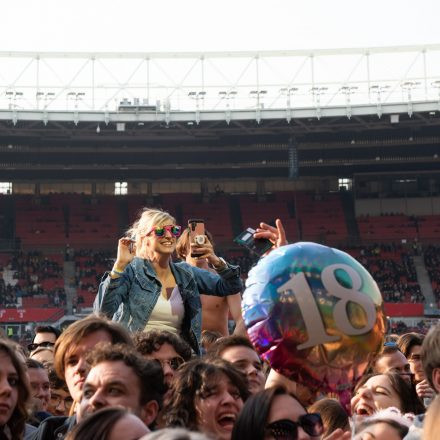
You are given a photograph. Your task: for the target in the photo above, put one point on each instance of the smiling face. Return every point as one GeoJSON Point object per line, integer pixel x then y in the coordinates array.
{"type": "Point", "coordinates": [218, 408]}
{"type": "Point", "coordinates": [375, 394]}
{"type": "Point", "coordinates": [161, 245]}
{"type": "Point", "coordinates": [8, 388]}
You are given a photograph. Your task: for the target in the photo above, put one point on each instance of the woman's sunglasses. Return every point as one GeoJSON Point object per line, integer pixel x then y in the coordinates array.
{"type": "Point", "coordinates": [287, 430]}
{"type": "Point", "coordinates": [159, 231]}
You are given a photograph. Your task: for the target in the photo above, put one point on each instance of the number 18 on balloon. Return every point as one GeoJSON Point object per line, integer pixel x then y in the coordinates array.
{"type": "Point", "coordinates": [314, 314]}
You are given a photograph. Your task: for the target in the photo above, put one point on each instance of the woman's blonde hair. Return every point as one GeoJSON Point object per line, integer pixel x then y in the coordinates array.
{"type": "Point", "coordinates": [149, 218]}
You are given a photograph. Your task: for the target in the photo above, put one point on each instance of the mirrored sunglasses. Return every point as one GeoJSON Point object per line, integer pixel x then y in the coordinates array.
{"type": "Point", "coordinates": [159, 231]}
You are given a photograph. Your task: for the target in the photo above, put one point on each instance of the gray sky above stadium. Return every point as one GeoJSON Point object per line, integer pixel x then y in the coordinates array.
{"type": "Point", "coordinates": [202, 25]}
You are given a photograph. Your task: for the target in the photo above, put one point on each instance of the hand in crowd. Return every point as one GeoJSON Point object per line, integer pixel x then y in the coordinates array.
{"type": "Point", "coordinates": [205, 251]}
{"type": "Point", "coordinates": [126, 252]}
{"type": "Point", "coordinates": [276, 235]}
{"type": "Point", "coordinates": [424, 390]}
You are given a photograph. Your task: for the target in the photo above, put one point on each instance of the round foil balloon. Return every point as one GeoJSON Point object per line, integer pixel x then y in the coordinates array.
{"type": "Point", "coordinates": [315, 315]}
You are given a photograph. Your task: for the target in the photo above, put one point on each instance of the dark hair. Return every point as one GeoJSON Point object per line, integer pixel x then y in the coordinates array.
{"type": "Point", "coordinates": [184, 241]}
{"type": "Point", "coordinates": [73, 334]}
{"type": "Point", "coordinates": [332, 413]}
{"type": "Point", "coordinates": [32, 363]}
{"type": "Point", "coordinates": [54, 381]}
{"type": "Point", "coordinates": [251, 422]}
{"type": "Point", "coordinates": [218, 347]}
{"type": "Point", "coordinates": [48, 329]}
{"type": "Point", "coordinates": [98, 426]}
{"type": "Point", "coordinates": [151, 341]}
{"type": "Point", "coordinates": [431, 354]}
{"type": "Point", "coordinates": [387, 349]}
{"type": "Point", "coordinates": [407, 341]}
{"type": "Point", "coordinates": [402, 430]}
{"type": "Point", "coordinates": [409, 400]}
{"type": "Point", "coordinates": [149, 373]}
{"type": "Point", "coordinates": [209, 337]}
{"type": "Point", "coordinates": [194, 379]}
{"type": "Point", "coordinates": [17, 421]}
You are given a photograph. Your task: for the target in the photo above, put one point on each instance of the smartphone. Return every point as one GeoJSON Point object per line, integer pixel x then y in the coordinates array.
{"type": "Point", "coordinates": [196, 232]}
{"type": "Point", "coordinates": [257, 246]}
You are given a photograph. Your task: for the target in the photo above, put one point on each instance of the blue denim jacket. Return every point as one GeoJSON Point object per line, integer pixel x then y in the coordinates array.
{"type": "Point", "coordinates": [131, 298]}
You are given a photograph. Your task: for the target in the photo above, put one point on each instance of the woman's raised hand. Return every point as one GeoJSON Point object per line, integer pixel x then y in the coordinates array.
{"type": "Point", "coordinates": [126, 253]}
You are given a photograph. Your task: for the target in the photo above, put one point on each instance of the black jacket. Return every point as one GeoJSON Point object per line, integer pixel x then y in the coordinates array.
{"type": "Point", "coordinates": [54, 428]}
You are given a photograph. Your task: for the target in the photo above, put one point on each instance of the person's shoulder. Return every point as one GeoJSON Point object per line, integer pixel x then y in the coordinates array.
{"type": "Point", "coordinates": [50, 426]}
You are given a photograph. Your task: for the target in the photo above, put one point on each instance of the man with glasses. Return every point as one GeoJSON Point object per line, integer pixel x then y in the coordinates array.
{"type": "Point", "coordinates": [164, 347]}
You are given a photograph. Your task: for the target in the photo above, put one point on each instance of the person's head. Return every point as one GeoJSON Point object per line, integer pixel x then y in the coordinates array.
{"type": "Point", "coordinates": [60, 399]}
{"type": "Point", "coordinates": [333, 415]}
{"type": "Point", "coordinates": [391, 360]}
{"type": "Point", "coordinates": [410, 344]}
{"type": "Point", "coordinates": [272, 411]}
{"type": "Point", "coordinates": [45, 336]}
{"type": "Point", "coordinates": [431, 357]}
{"type": "Point", "coordinates": [239, 351]}
{"type": "Point", "coordinates": [175, 434]}
{"type": "Point", "coordinates": [164, 347]}
{"type": "Point", "coordinates": [39, 382]}
{"type": "Point", "coordinates": [119, 376]}
{"type": "Point", "coordinates": [381, 391]}
{"type": "Point", "coordinates": [76, 341]}
{"type": "Point", "coordinates": [14, 389]}
{"type": "Point", "coordinates": [43, 355]}
{"type": "Point", "coordinates": [207, 396]}
{"type": "Point", "coordinates": [109, 424]}
{"type": "Point", "coordinates": [208, 338]}
{"type": "Point", "coordinates": [431, 425]}
{"type": "Point", "coordinates": [388, 424]}
{"type": "Point", "coordinates": [183, 246]}
{"type": "Point", "coordinates": [154, 232]}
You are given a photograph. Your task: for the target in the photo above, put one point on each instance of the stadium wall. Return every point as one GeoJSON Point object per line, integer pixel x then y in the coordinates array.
{"type": "Point", "coordinates": [407, 206]}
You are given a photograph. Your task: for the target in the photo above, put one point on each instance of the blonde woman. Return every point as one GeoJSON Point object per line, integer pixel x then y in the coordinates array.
{"type": "Point", "coordinates": [147, 290]}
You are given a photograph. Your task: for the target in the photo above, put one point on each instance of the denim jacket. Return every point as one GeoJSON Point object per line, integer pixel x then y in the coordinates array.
{"type": "Point", "coordinates": [130, 298]}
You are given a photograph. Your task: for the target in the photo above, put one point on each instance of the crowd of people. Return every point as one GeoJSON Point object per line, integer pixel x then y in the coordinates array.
{"type": "Point", "coordinates": [156, 361]}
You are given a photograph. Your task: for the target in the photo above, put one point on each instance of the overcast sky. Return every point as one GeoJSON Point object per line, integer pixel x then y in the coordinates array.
{"type": "Point", "coordinates": [202, 25]}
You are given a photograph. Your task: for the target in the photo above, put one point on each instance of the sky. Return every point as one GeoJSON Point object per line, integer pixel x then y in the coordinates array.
{"type": "Point", "coordinates": [212, 25]}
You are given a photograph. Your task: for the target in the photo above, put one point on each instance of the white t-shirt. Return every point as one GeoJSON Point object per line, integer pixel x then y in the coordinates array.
{"type": "Point", "coordinates": [167, 314]}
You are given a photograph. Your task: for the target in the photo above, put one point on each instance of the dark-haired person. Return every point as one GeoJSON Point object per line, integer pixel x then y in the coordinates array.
{"type": "Point", "coordinates": [45, 336]}
{"type": "Point", "coordinates": [215, 310]}
{"type": "Point", "coordinates": [40, 390]}
{"type": "Point", "coordinates": [60, 399]}
{"type": "Point", "coordinates": [207, 396]}
{"type": "Point", "coordinates": [70, 364]}
{"type": "Point", "coordinates": [239, 351]}
{"type": "Point", "coordinates": [120, 376]}
{"type": "Point", "coordinates": [109, 424]}
{"type": "Point", "coordinates": [14, 393]}
{"type": "Point", "coordinates": [147, 290]}
{"type": "Point", "coordinates": [333, 415]}
{"type": "Point", "coordinates": [391, 360]}
{"type": "Point", "coordinates": [274, 413]}
{"type": "Point", "coordinates": [410, 344]}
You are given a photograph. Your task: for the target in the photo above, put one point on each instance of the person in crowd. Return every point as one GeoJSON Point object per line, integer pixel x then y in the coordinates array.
{"type": "Point", "coordinates": [431, 427]}
{"type": "Point", "coordinates": [388, 424]}
{"type": "Point", "coordinates": [146, 290]}
{"type": "Point", "coordinates": [14, 393]}
{"type": "Point", "coordinates": [215, 310]}
{"type": "Point", "coordinates": [60, 399]}
{"type": "Point", "coordinates": [175, 434]}
{"type": "Point", "coordinates": [109, 424]}
{"type": "Point", "coordinates": [119, 376]}
{"type": "Point", "coordinates": [410, 344]}
{"type": "Point", "coordinates": [239, 351]}
{"type": "Point", "coordinates": [275, 413]}
{"type": "Point", "coordinates": [207, 396]}
{"type": "Point", "coordinates": [333, 415]}
{"type": "Point", "coordinates": [40, 389]}
{"type": "Point", "coordinates": [70, 363]}
{"type": "Point", "coordinates": [208, 338]}
{"type": "Point", "coordinates": [166, 348]}
{"type": "Point", "coordinates": [380, 391]}
{"type": "Point", "coordinates": [43, 355]}
{"type": "Point", "coordinates": [391, 360]}
{"type": "Point", "coordinates": [45, 336]}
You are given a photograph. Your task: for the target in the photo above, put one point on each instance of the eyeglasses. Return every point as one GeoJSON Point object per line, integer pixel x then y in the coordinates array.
{"type": "Point", "coordinates": [174, 362]}
{"type": "Point", "coordinates": [159, 231]}
{"type": "Point", "coordinates": [287, 430]}
{"type": "Point", "coordinates": [33, 346]}
{"type": "Point", "coordinates": [56, 400]}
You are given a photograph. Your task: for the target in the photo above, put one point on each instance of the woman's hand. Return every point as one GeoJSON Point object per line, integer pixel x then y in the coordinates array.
{"type": "Point", "coordinates": [276, 235]}
{"type": "Point", "coordinates": [424, 390]}
{"type": "Point", "coordinates": [126, 253]}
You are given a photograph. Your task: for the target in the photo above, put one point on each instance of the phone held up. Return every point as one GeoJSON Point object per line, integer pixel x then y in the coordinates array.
{"type": "Point", "coordinates": [258, 246]}
{"type": "Point", "coordinates": [196, 233]}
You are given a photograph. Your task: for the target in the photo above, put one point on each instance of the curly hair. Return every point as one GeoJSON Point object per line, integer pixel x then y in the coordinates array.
{"type": "Point", "coordinates": [17, 421]}
{"type": "Point", "coordinates": [149, 373]}
{"type": "Point", "coordinates": [195, 379]}
{"type": "Point", "coordinates": [151, 341]}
